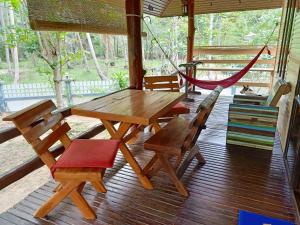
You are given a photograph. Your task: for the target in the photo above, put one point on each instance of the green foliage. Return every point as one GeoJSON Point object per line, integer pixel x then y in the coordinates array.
{"type": "Point", "coordinates": [232, 28]}
{"type": "Point", "coordinates": [14, 3]}
{"type": "Point", "coordinates": [121, 78]}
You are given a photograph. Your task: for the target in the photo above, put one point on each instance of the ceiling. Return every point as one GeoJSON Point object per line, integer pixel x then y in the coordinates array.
{"type": "Point", "coordinates": [167, 8]}
{"type": "Point", "coordinates": [108, 16]}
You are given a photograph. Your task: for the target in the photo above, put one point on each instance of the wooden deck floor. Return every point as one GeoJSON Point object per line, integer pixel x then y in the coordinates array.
{"type": "Point", "coordinates": [229, 181]}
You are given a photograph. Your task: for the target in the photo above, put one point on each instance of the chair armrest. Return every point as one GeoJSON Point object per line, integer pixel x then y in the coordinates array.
{"type": "Point", "coordinates": [250, 99]}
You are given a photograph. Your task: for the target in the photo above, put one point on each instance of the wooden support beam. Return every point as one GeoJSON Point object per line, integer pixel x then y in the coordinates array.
{"type": "Point", "coordinates": [133, 11]}
{"type": "Point", "coordinates": [191, 31]}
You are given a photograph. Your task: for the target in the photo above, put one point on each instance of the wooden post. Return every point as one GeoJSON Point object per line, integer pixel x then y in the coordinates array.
{"type": "Point", "coordinates": [191, 32]}
{"type": "Point", "coordinates": [133, 11]}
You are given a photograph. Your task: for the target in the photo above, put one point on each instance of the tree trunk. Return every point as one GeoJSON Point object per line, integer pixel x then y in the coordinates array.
{"type": "Point", "coordinates": [175, 41]}
{"type": "Point", "coordinates": [85, 61]}
{"type": "Point", "coordinates": [14, 49]}
{"type": "Point", "coordinates": [125, 51]}
{"type": "Point", "coordinates": [4, 38]}
{"type": "Point", "coordinates": [108, 47]}
{"type": "Point", "coordinates": [57, 73]}
{"type": "Point", "coordinates": [99, 71]}
{"type": "Point", "coordinates": [58, 87]}
{"type": "Point", "coordinates": [43, 52]}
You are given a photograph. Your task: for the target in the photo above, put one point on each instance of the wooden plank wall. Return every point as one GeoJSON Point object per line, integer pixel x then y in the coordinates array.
{"type": "Point", "coordinates": [291, 74]}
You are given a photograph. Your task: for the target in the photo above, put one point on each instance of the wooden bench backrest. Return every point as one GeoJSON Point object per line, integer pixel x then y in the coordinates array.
{"type": "Point", "coordinates": [199, 121]}
{"type": "Point", "coordinates": [161, 83]}
{"type": "Point", "coordinates": [35, 121]}
{"type": "Point", "coordinates": [280, 88]}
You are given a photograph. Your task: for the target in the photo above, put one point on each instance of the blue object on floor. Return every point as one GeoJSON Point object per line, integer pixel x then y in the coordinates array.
{"type": "Point", "coordinates": [248, 218]}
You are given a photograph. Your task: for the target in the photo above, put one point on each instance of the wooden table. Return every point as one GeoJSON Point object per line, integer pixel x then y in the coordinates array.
{"type": "Point", "coordinates": [132, 108]}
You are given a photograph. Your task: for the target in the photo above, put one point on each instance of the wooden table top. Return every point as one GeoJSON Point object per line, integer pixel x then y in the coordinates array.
{"type": "Point", "coordinates": [131, 106]}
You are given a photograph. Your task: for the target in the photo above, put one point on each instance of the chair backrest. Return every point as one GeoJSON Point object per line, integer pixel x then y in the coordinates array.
{"type": "Point", "coordinates": [199, 121]}
{"type": "Point", "coordinates": [280, 88]}
{"type": "Point", "coordinates": [161, 83]}
{"type": "Point", "coordinates": [35, 122]}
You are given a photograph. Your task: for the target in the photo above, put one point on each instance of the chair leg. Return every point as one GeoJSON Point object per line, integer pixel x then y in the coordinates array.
{"type": "Point", "coordinates": [98, 185]}
{"type": "Point", "coordinates": [102, 172]}
{"type": "Point", "coordinates": [56, 198]}
{"type": "Point", "coordinates": [82, 205]}
{"type": "Point", "coordinates": [80, 187]}
{"type": "Point", "coordinates": [170, 171]}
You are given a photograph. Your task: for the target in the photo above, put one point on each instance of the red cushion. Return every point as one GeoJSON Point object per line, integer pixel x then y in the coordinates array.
{"type": "Point", "coordinates": [177, 109]}
{"type": "Point", "coordinates": [88, 154]}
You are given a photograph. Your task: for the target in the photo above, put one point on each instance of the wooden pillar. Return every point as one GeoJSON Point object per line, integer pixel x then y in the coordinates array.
{"type": "Point", "coordinates": [133, 11]}
{"type": "Point", "coordinates": [191, 31]}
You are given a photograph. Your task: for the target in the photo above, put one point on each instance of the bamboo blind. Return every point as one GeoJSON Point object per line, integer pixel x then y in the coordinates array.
{"type": "Point", "coordinates": [95, 16]}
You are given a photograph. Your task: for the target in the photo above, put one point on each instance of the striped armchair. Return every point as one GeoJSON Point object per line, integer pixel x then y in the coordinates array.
{"type": "Point", "coordinates": [252, 120]}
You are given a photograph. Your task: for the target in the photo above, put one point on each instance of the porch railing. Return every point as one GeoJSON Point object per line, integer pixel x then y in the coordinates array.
{"type": "Point", "coordinates": [221, 61]}
{"type": "Point", "coordinates": [71, 89]}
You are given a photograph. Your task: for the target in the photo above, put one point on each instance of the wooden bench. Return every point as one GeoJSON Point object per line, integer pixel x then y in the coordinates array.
{"type": "Point", "coordinates": [178, 139]}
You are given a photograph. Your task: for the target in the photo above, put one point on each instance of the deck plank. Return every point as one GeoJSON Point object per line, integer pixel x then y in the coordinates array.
{"type": "Point", "coordinates": [230, 180]}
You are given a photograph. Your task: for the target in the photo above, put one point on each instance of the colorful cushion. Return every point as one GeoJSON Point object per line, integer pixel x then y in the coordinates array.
{"type": "Point", "coordinates": [177, 109]}
{"type": "Point", "coordinates": [252, 126]}
{"type": "Point", "coordinates": [88, 154]}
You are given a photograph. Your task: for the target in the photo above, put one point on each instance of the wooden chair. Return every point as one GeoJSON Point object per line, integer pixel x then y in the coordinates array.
{"type": "Point", "coordinates": [178, 139]}
{"type": "Point", "coordinates": [166, 83]}
{"type": "Point", "coordinates": [82, 161]}
{"type": "Point", "coordinates": [252, 120]}
{"type": "Point", "coordinates": [280, 88]}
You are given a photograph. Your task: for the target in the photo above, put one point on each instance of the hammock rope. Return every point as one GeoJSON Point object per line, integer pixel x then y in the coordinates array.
{"type": "Point", "coordinates": [207, 84]}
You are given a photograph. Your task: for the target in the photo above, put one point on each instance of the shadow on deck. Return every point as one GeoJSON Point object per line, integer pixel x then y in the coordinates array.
{"type": "Point", "coordinates": [230, 180]}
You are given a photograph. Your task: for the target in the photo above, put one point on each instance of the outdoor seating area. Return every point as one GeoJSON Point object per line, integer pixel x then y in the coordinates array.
{"type": "Point", "coordinates": [153, 132]}
{"type": "Point", "coordinates": [217, 189]}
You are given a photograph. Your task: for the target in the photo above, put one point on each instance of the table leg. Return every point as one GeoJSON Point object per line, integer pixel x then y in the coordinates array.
{"type": "Point", "coordinates": [119, 134]}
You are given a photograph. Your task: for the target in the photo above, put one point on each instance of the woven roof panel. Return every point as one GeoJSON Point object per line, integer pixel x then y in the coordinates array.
{"type": "Point", "coordinates": [166, 8]}
{"type": "Point", "coordinates": [109, 16]}
{"type": "Point", "coordinates": [99, 16]}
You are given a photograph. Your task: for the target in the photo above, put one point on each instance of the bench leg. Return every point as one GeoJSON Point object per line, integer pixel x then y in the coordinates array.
{"type": "Point", "coordinates": [198, 154]}
{"type": "Point", "coordinates": [154, 169]}
{"type": "Point", "coordinates": [170, 171]}
{"type": "Point", "coordinates": [195, 152]}
{"type": "Point", "coordinates": [150, 164]}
